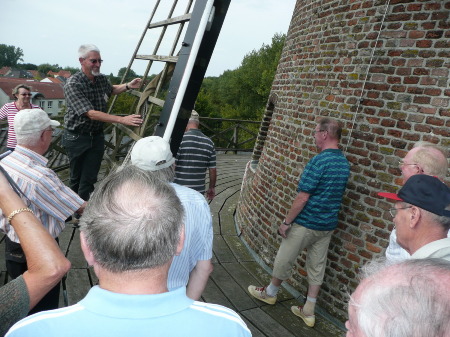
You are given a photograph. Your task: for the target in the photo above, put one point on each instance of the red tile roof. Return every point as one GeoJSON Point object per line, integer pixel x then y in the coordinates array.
{"type": "Point", "coordinates": [49, 90]}
{"type": "Point", "coordinates": [4, 70]}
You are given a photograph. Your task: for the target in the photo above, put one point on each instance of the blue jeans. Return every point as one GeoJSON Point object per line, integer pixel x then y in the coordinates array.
{"type": "Point", "coordinates": [85, 154]}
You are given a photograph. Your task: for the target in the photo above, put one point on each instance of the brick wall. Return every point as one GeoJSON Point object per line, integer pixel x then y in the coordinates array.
{"type": "Point", "coordinates": [387, 81]}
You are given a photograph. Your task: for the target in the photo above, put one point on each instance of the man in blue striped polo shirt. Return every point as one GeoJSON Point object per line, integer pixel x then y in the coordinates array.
{"type": "Point", "coordinates": [311, 220]}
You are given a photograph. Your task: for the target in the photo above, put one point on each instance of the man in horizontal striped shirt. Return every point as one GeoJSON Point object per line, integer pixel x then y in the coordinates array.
{"type": "Point", "coordinates": [46, 195]}
{"type": "Point", "coordinates": [311, 220]}
{"type": "Point", "coordinates": [195, 155]}
{"type": "Point", "coordinates": [130, 232]}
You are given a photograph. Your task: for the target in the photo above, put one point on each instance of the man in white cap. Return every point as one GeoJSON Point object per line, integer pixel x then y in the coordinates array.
{"type": "Point", "coordinates": [45, 194]}
{"type": "Point", "coordinates": [193, 266]}
{"type": "Point", "coordinates": [195, 155]}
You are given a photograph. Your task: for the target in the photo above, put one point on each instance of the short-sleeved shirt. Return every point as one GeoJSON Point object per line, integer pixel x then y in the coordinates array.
{"type": "Point", "coordinates": [324, 178]}
{"type": "Point", "coordinates": [104, 313]}
{"type": "Point", "coordinates": [9, 110]}
{"type": "Point", "coordinates": [15, 302]}
{"type": "Point", "coordinates": [51, 201]}
{"type": "Point", "coordinates": [198, 233]}
{"type": "Point", "coordinates": [82, 95]}
{"type": "Point", "coordinates": [195, 155]}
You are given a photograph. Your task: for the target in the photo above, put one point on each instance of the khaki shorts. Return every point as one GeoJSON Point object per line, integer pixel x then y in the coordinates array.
{"type": "Point", "coordinates": [298, 239]}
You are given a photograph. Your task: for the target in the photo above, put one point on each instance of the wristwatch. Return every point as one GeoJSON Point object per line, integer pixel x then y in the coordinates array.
{"type": "Point", "coordinates": [285, 223]}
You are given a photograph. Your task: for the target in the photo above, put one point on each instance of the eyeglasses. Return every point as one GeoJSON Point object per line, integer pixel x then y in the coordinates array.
{"type": "Point", "coordinates": [393, 211]}
{"type": "Point", "coordinates": [51, 129]}
{"type": "Point", "coordinates": [26, 95]}
{"type": "Point", "coordinates": [316, 131]}
{"type": "Point", "coordinates": [402, 163]}
{"type": "Point", "coordinates": [95, 61]}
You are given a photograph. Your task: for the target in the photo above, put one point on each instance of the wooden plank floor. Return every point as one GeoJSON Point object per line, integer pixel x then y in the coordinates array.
{"type": "Point", "coordinates": [234, 267]}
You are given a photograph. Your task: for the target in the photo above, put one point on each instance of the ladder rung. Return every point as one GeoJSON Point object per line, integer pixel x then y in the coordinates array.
{"type": "Point", "coordinates": [161, 58]}
{"type": "Point", "coordinates": [156, 101]}
{"type": "Point", "coordinates": [171, 21]}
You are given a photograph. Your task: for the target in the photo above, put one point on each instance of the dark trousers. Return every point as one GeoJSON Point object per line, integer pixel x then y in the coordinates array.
{"type": "Point", "coordinates": [16, 265]}
{"type": "Point", "coordinates": [85, 154]}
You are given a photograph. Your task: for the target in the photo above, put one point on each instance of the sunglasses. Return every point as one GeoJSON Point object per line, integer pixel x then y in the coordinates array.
{"type": "Point", "coordinates": [26, 95]}
{"type": "Point", "coordinates": [95, 61]}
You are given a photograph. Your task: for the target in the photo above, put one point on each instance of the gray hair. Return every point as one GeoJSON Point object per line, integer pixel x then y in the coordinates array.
{"type": "Point", "coordinates": [15, 90]}
{"type": "Point", "coordinates": [126, 232]}
{"type": "Point", "coordinates": [432, 159]}
{"type": "Point", "coordinates": [332, 126]}
{"type": "Point", "coordinates": [29, 139]}
{"type": "Point", "coordinates": [407, 299]}
{"type": "Point", "coordinates": [85, 49]}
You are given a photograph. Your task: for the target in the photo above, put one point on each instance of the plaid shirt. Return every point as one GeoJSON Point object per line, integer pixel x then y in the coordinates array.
{"type": "Point", "coordinates": [81, 96]}
{"type": "Point", "coordinates": [50, 200]}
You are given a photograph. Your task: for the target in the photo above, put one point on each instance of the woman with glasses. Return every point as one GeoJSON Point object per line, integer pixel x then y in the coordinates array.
{"type": "Point", "coordinates": [22, 94]}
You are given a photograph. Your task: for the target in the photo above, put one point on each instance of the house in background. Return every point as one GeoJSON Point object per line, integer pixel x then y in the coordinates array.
{"type": "Point", "coordinates": [49, 96]}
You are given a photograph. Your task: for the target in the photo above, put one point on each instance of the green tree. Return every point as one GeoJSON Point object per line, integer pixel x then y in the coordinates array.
{"type": "Point", "coordinates": [131, 74]}
{"type": "Point", "coordinates": [46, 67]}
{"type": "Point", "coordinates": [72, 70]}
{"type": "Point", "coordinates": [242, 93]}
{"type": "Point", "coordinates": [10, 55]}
{"type": "Point", "coordinates": [27, 66]}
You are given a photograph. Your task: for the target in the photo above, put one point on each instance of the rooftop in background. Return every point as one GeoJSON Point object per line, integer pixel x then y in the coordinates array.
{"type": "Point", "coordinates": [49, 90]}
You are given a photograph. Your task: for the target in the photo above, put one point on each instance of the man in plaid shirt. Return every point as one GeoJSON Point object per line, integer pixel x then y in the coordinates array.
{"type": "Point", "coordinates": [87, 93]}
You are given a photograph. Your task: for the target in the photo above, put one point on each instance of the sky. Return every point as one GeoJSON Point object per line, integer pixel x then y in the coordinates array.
{"type": "Point", "coordinates": [50, 31]}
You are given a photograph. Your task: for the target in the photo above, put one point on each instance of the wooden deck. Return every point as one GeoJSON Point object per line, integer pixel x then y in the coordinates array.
{"type": "Point", "coordinates": [234, 267]}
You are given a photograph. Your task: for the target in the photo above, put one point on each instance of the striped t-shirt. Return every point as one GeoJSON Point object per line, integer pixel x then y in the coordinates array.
{"type": "Point", "coordinates": [9, 110]}
{"type": "Point", "coordinates": [324, 178]}
{"type": "Point", "coordinates": [195, 155]}
{"type": "Point", "coordinates": [50, 200]}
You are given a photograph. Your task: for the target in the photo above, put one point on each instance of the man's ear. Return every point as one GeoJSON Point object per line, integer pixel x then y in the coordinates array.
{"type": "Point", "coordinates": [88, 255]}
{"type": "Point", "coordinates": [181, 242]}
{"type": "Point", "coordinates": [81, 60]}
{"type": "Point", "coordinates": [415, 216]}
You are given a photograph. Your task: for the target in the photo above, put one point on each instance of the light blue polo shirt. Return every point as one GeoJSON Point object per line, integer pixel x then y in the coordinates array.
{"type": "Point", "coordinates": [104, 313]}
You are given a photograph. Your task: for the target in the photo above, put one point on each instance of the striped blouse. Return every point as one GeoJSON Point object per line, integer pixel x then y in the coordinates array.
{"type": "Point", "coordinates": [10, 110]}
{"type": "Point", "coordinates": [51, 201]}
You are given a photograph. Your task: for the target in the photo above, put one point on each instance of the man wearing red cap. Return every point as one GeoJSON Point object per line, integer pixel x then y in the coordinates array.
{"type": "Point", "coordinates": [423, 158]}
{"type": "Point", "coordinates": [422, 217]}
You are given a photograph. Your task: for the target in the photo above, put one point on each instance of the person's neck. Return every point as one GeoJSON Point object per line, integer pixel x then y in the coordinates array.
{"type": "Point", "coordinates": [425, 237]}
{"type": "Point", "coordinates": [22, 105]}
{"type": "Point", "coordinates": [329, 145]}
{"type": "Point", "coordinates": [142, 282]}
{"type": "Point", "coordinates": [38, 149]}
{"type": "Point", "coordinates": [89, 75]}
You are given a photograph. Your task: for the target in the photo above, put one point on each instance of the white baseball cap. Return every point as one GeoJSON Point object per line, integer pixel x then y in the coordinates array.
{"type": "Point", "coordinates": [152, 154]}
{"type": "Point", "coordinates": [32, 120]}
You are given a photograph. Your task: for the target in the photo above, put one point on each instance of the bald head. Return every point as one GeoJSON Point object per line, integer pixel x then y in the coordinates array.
{"type": "Point", "coordinates": [425, 158]}
{"type": "Point", "coordinates": [407, 299]}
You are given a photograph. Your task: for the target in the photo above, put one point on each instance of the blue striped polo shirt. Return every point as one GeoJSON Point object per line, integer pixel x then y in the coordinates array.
{"type": "Point", "coordinates": [324, 178]}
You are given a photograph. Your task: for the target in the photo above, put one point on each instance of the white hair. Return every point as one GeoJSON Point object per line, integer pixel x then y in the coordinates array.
{"type": "Point", "coordinates": [29, 139]}
{"type": "Point", "coordinates": [85, 49]}
{"type": "Point", "coordinates": [406, 299]}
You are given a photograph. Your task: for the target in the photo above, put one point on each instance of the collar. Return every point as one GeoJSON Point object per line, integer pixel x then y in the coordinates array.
{"type": "Point", "coordinates": [31, 155]}
{"type": "Point", "coordinates": [105, 302]}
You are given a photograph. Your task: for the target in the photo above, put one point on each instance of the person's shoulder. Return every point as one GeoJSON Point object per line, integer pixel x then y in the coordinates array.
{"type": "Point", "coordinates": [77, 77]}
{"type": "Point", "coordinates": [187, 194]}
{"type": "Point", "coordinates": [216, 312]}
{"type": "Point", "coordinates": [8, 105]}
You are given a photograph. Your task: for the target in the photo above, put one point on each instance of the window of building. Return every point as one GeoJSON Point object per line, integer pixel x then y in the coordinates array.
{"type": "Point", "coordinates": [60, 104]}
{"type": "Point", "coordinates": [42, 104]}
{"type": "Point", "coordinates": [49, 104]}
